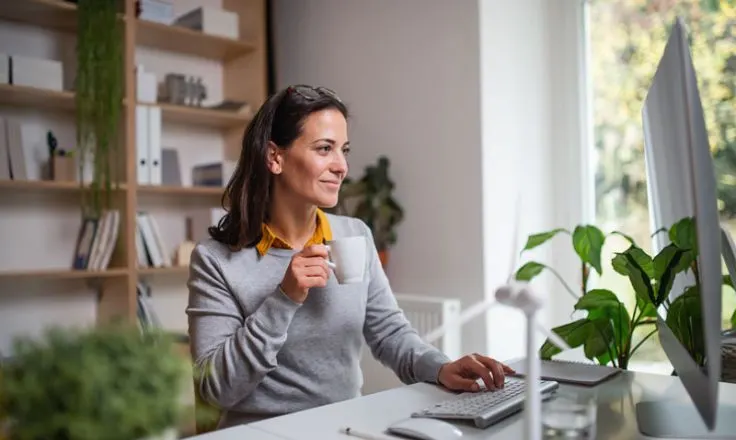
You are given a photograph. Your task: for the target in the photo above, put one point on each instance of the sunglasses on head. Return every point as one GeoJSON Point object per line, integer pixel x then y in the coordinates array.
{"type": "Point", "coordinates": [311, 93]}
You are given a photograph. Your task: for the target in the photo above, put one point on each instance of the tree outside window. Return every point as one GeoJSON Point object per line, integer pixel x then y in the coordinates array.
{"type": "Point", "coordinates": [627, 38]}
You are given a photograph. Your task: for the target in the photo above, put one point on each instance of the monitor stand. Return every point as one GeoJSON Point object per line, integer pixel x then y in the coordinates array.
{"type": "Point", "coordinates": [682, 421]}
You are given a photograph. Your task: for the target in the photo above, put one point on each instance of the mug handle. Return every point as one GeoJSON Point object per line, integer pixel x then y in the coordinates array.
{"type": "Point", "coordinates": [330, 263]}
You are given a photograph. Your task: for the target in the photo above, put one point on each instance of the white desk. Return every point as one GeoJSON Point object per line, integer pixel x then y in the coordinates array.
{"type": "Point", "coordinates": [616, 411]}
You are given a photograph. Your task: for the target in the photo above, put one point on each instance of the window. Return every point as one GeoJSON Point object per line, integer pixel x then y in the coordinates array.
{"type": "Point", "coordinates": [626, 39]}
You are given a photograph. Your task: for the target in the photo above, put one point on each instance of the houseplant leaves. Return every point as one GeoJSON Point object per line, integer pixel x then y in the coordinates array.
{"type": "Point", "coordinates": [588, 243]}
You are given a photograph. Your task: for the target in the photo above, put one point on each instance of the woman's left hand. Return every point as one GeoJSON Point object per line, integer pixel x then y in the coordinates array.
{"type": "Point", "coordinates": [461, 375]}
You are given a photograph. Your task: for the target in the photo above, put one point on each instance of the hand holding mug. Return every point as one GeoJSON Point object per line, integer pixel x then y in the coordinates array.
{"type": "Point", "coordinates": [307, 269]}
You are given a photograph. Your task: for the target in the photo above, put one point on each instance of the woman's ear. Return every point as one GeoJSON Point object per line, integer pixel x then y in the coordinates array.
{"type": "Point", "coordinates": [274, 158]}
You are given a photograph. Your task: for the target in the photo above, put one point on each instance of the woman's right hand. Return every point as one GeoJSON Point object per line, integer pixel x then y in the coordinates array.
{"type": "Point", "coordinates": [307, 269]}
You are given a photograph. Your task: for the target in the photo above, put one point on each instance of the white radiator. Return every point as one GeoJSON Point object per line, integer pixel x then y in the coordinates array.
{"type": "Point", "coordinates": [424, 314]}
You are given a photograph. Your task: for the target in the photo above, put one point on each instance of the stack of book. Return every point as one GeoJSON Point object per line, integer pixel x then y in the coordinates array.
{"type": "Point", "coordinates": [96, 241]}
{"type": "Point", "coordinates": [150, 247]}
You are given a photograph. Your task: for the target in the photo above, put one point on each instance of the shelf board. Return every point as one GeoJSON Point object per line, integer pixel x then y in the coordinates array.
{"type": "Point", "coordinates": [205, 117]}
{"type": "Point", "coordinates": [44, 185]}
{"type": "Point", "coordinates": [173, 270]}
{"type": "Point", "coordinates": [50, 14]}
{"type": "Point", "coordinates": [34, 97]}
{"type": "Point", "coordinates": [63, 274]}
{"type": "Point", "coordinates": [182, 190]}
{"type": "Point", "coordinates": [189, 42]}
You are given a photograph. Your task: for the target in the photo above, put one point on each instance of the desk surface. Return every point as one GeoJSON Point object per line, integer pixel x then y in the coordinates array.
{"type": "Point", "coordinates": [373, 413]}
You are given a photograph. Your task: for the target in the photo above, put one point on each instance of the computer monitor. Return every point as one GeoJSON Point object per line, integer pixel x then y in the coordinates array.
{"type": "Point", "coordinates": [681, 183]}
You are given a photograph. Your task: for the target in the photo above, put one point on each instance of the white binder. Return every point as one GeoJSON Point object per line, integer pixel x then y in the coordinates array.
{"type": "Point", "coordinates": [141, 143]}
{"type": "Point", "coordinates": [154, 144]}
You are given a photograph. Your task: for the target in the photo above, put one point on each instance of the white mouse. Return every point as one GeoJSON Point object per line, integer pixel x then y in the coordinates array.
{"type": "Point", "coordinates": [425, 429]}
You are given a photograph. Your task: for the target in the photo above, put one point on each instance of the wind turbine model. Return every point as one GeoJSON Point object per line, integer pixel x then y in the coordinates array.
{"type": "Point", "coordinates": [522, 297]}
{"type": "Point", "coordinates": [519, 296]}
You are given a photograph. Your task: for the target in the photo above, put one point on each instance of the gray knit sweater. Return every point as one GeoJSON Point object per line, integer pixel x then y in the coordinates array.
{"type": "Point", "coordinates": [267, 355]}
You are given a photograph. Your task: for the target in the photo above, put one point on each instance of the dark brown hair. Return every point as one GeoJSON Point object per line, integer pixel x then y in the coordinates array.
{"type": "Point", "coordinates": [248, 193]}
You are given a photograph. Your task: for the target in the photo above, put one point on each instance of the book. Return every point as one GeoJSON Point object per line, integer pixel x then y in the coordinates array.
{"type": "Point", "coordinates": [576, 373]}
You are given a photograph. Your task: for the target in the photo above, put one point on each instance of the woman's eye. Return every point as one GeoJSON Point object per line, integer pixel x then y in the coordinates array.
{"type": "Point", "coordinates": [325, 149]}
{"type": "Point", "coordinates": [346, 151]}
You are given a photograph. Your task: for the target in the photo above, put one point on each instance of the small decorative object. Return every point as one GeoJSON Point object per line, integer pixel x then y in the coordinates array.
{"type": "Point", "coordinates": [106, 382]}
{"type": "Point", "coordinates": [182, 90]}
{"type": "Point", "coordinates": [63, 164]}
{"type": "Point", "coordinates": [374, 204]}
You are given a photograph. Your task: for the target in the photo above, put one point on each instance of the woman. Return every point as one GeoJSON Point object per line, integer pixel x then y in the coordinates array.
{"type": "Point", "coordinates": [270, 326]}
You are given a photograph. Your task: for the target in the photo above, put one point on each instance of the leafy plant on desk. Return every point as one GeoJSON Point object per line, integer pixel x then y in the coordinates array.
{"type": "Point", "coordinates": [99, 97]}
{"type": "Point", "coordinates": [606, 332]}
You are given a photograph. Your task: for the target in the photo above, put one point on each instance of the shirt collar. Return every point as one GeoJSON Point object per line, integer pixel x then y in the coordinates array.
{"type": "Point", "coordinates": [270, 239]}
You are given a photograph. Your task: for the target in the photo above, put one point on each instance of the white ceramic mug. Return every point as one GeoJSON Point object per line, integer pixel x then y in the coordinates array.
{"type": "Point", "coordinates": [347, 258]}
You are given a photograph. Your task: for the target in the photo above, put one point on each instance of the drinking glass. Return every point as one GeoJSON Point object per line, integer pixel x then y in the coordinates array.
{"type": "Point", "coordinates": [569, 417]}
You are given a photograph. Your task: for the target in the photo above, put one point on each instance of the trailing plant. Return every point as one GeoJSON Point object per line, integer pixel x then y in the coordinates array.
{"type": "Point", "coordinates": [111, 383]}
{"type": "Point", "coordinates": [99, 97]}
{"type": "Point", "coordinates": [606, 332]}
{"type": "Point", "coordinates": [374, 202]}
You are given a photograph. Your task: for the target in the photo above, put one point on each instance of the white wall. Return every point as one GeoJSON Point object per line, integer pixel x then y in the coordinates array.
{"type": "Point", "coordinates": [409, 71]}
{"type": "Point", "coordinates": [533, 151]}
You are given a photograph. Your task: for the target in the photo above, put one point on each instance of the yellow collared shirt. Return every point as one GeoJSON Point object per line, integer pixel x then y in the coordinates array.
{"type": "Point", "coordinates": [269, 239]}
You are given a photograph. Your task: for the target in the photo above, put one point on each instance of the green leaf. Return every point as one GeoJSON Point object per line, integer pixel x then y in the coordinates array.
{"type": "Point", "coordinates": [620, 264]}
{"type": "Point", "coordinates": [603, 306]}
{"type": "Point", "coordinates": [574, 333]}
{"type": "Point", "coordinates": [640, 279]}
{"type": "Point", "coordinates": [733, 320]}
{"type": "Point", "coordinates": [600, 337]}
{"type": "Point", "coordinates": [588, 243]}
{"type": "Point", "coordinates": [597, 299]}
{"type": "Point", "coordinates": [529, 271]}
{"type": "Point", "coordinates": [665, 265]}
{"type": "Point", "coordinates": [646, 307]}
{"type": "Point", "coordinates": [684, 318]}
{"type": "Point", "coordinates": [727, 281]}
{"type": "Point", "coordinates": [683, 234]}
{"type": "Point", "coordinates": [535, 240]}
{"type": "Point", "coordinates": [620, 261]}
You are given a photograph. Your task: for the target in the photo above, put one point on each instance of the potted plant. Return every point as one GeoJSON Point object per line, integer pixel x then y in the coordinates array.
{"type": "Point", "coordinates": [607, 329]}
{"type": "Point", "coordinates": [99, 98]}
{"type": "Point", "coordinates": [107, 382]}
{"type": "Point", "coordinates": [370, 199]}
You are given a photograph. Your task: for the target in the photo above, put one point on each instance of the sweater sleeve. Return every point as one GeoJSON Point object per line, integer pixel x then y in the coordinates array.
{"type": "Point", "coordinates": [232, 352]}
{"type": "Point", "coordinates": [389, 334]}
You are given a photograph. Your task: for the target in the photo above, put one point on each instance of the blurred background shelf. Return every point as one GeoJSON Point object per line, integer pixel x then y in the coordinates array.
{"type": "Point", "coordinates": [53, 14]}
{"type": "Point", "coordinates": [173, 270]}
{"type": "Point", "coordinates": [23, 96]}
{"type": "Point", "coordinates": [213, 191]}
{"type": "Point", "coordinates": [189, 42]}
{"type": "Point", "coordinates": [201, 116]}
{"type": "Point", "coordinates": [43, 186]}
{"type": "Point", "coordinates": [62, 274]}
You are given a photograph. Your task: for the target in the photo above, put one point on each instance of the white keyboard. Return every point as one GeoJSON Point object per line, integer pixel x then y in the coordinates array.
{"type": "Point", "coordinates": [485, 408]}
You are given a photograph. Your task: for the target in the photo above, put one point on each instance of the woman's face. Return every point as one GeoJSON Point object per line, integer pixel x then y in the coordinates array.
{"type": "Point", "coordinates": [313, 168]}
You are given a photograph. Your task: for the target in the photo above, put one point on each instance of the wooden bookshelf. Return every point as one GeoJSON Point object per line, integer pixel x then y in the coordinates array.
{"type": "Point", "coordinates": [21, 96]}
{"type": "Point", "coordinates": [190, 42]}
{"type": "Point", "coordinates": [63, 274]}
{"type": "Point", "coordinates": [49, 14]}
{"type": "Point", "coordinates": [244, 78]}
